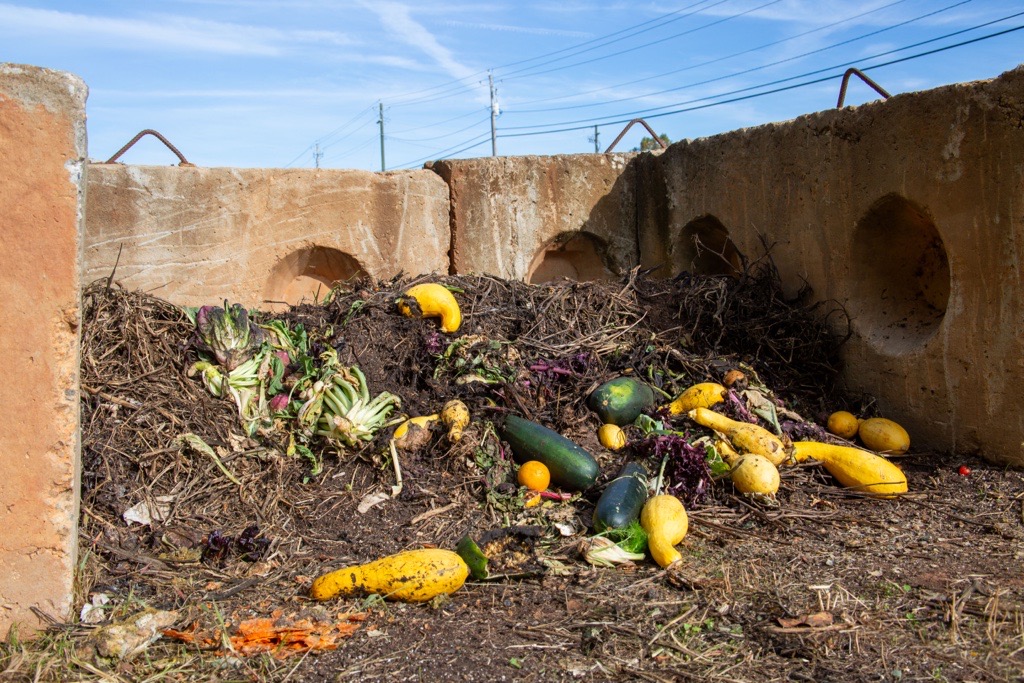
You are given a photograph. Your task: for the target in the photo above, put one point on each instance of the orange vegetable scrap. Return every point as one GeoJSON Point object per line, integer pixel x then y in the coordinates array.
{"type": "Point", "coordinates": [279, 636]}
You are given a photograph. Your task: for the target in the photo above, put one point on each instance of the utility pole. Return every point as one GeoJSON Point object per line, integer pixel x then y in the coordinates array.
{"type": "Point", "coordinates": [494, 115]}
{"type": "Point", "coordinates": [317, 155]}
{"type": "Point", "coordinates": [596, 140]}
{"type": "Point", "coordinates": [381, 122]}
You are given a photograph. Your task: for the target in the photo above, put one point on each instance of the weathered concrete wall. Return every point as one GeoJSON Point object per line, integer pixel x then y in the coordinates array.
{"type": "Point", "coordinates": [510, 213]}
{"type": "Point", "coordinates": [42, 152]}
{"type": "Point", "coordinates": [195, 236]}
{"type": "Point", "coordinates": [910, 214]}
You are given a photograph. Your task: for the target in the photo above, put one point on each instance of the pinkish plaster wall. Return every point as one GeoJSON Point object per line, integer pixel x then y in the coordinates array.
{"type": "Point", "coordinates": [42, 152]}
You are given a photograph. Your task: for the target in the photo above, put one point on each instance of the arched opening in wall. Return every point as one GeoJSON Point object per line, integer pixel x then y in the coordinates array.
{"type": "Point", "coordinates": [900, 276]}
{"type": "Point", "coordinates": [576, 256]}
{"type": "Point", "coordinates": [308, 275]}
{"type": "Point", "coordinates": [706, 248]}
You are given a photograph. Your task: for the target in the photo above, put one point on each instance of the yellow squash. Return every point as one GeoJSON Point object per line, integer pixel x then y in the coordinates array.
{"type": "Point", "coordinates": [843, 424]}
{"type": "Point", "coordinates": [455, 416]}
{"type": "Point", "coordinates": [703, 395]}
{"type": "Point", "coordinates": [612, 437]}
{"type": "Point", "coordinates": [855, 468]}
{"type": "Point", "coordinates": [747, 438]}
{"type": "Point", "coordinates": [414, 432]}
{"type": "Point", "coordinates": [410, 576]}
{"type": "Point", "coordinates": [884, 436]}
{"type": "Point", "coordinates": [435, 301]}
{"type": "Point", "coordinates": [755, 475]}
{"type": "Point", "coordinates": [664, 519]}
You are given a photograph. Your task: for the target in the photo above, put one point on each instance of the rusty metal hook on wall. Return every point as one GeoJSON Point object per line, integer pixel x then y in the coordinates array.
{"type": "Point", "coordinates": [860, 74]}
{"type": "Point", "coordinates": [626, 130]}
{"type": "Point", "coordinates": [158, 136]}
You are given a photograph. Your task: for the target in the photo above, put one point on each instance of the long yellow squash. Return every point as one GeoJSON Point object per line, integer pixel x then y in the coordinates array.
{"type": "Point", "coordinates": [748, 438]}
{"type": "Point", "coordinates": [855, 468]}
{"type": "Point", "coordinates": [703, 395]}
{"type": "Point", "coordinates": [410, 576]}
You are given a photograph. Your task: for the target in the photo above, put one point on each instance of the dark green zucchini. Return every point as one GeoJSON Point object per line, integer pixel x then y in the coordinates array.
{"type": "Point", "coordinates": [571, 466]}
{"type": "Point", "coordinates": [619, 401]}
{"type": "Point", "coordinates": [623, 499]}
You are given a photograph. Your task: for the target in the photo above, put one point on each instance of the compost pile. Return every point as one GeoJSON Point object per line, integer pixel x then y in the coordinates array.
{"type": "Point", "coordinates": [218, 497]}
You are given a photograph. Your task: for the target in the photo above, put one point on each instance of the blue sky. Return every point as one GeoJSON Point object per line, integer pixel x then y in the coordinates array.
{"type": "Point", "coordinates": [269, 83]}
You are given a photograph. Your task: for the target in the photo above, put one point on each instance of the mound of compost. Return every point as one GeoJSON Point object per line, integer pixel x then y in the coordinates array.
{"type": "Point", "coordinates": [184, 509]}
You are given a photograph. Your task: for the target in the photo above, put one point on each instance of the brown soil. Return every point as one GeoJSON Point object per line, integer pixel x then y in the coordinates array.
{"type": "Point", "coordinates": [826, 586]}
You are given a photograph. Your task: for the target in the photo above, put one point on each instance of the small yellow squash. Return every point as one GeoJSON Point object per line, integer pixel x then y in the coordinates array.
{"type": "Point", "coordinates": [414, 432]}
{"type": "Point", "coordinates": [664, 519]}
{"type": "Point", "coordinates": [455, 416]}
{"type": "Point", "coordinates": [703, 395]}
{"type": "Point", "coordinates": [410, 576]}
{"type": "Point", "coordinates": [755, 475]}
{"type": "Point", "coordinates": [746, 437]}
{"type": "Point", "coordinates": [843, 424]}
{"type": "Point", "coordinates": [612, 437]}
{"type": "Point", "coordinates": [435, 301]}
{"type": "Point", "coordinates": [855, 468]}
{"type": "Point", "coordinates": [884, 436]}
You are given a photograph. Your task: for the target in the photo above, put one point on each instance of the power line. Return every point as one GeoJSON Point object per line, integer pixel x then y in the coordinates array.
{"type": "Point", "coordinates": [755, 68]}
{"type": "Point", "coordinates": [472, 142]}
{"type": "Point", "coordinates": [653, 42]}
{"type": "Point", "coordinates": [634, 81]}
{"type": "Point", "coordinates": [591, 122]}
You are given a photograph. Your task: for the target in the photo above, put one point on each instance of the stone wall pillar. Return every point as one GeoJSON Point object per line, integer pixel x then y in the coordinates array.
{"type": "Point", "coordinates": [42, 156]}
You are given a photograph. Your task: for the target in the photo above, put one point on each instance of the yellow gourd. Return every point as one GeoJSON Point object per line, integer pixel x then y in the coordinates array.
{"type": "Point", "coordinates": [664, 519]}
{"type": "Point", "coordinates": [755, 475]}
{"type": "Point", "coordinates": [884, 436]}
{"type": "Point", "coordinates": [455, 416]}
{"type": "Point", "coordinates": [748, 438]}
{"type": "Point", "coordinates": [611, 437]}
{"type": "Point", "coordinates": [414, 432]}
{"type": "Point", "coordinates": [843, 424]}
{"type": "Point", "coordinates": [435, 301]}
{"type": "Point", "coordinates": [703, 395]}
{"type": "Point", "coordinates": [410, 576]}
{"type": "Point", "coordinates": [855, 468]}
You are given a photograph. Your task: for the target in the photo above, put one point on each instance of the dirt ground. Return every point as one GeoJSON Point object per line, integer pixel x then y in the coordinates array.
{"type": "Point", "coordinates": [826, 585]}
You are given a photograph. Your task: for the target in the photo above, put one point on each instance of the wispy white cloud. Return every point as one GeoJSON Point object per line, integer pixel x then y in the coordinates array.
{"type": "Point", "coordinates": [162, 31]}
{"type": "Point", "coordinates": [397, 19]}
{"type": "Point", "coordinates": [530, 30]}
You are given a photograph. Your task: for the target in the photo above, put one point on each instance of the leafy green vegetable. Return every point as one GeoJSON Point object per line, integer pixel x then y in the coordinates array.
{"type": "Point", "coordinates": [228, 334]}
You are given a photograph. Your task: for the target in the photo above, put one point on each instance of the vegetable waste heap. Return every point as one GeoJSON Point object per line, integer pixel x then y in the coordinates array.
{"type": "Point", "coordinates": [489, 480]}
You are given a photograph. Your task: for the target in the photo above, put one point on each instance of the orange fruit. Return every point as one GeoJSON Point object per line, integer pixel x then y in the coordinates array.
{"type": "Point", "coordinates": [534, 475]}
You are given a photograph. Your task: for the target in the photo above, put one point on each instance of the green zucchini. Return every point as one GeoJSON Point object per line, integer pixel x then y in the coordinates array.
{"type": "Point", "coordinates": [619, 401]}
{"type": "Point", "coordinates": [570, 465]}
{"type": "Point", "coordinates": [622, 500]}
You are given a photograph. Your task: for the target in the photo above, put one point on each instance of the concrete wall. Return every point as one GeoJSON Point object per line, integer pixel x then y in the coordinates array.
{"type": "Point", "coordinates": [201, 235]}
{"type": "Point", "coordinates": [42, 153]}
{"type": "Point", "coordinates": [535, 218]}
{"type": "Point", "coordinates": [907, 212]}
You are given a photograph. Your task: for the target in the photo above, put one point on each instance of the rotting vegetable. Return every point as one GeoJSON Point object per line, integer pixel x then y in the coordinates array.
{"type": "Point", "coordinates": [855, 468]}
{"type": "Point", "coordinates": [611, 437]}
{"type": "Point", "coordinates": [884, 436]}
{"type": "Point", "coordinates": [347, 412]}
{"type": "Point", "coordinates": [685, 464]}
{"type": "Point", "coordinates": [622, 500]}
{"type": "Point", "coordinates": [434, 300]}
{"type": "Point", "coordinates": [665, 520]}
{"type": "Point", "coordinates": [570, 465]}
{"type": "Point", "coordinates": [746, 437]}
{"type": "Point", "coordinates": [703, 395]}
{"type": "Point", "coordinates": [455, 416]}
{"type": "Point", "coordinates": [755, 476]}
{"type": "Point", "coordinates": [411, 576]}
{"type": "Point", "coordinates": [619, 401]}
{"type": "Point", "coordinates": [228, 334]}
{"type": "Point", "coordinates": [601, 551]}
{"type": "Point", "coordinates": [414, 433]}
{"type": "Point", "coordinates": [843, 424]}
